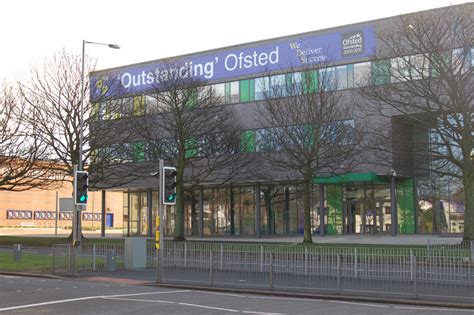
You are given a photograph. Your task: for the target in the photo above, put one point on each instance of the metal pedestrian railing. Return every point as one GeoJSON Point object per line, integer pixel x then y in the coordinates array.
{"type": "Point", "coordinates": [401, 272]}
{"type": "Point", "coordinates": [87, 257]}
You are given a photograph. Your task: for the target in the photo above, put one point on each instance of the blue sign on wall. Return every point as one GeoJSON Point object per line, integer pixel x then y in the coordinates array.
{"type": "Point", "coordinates": [279, 55]}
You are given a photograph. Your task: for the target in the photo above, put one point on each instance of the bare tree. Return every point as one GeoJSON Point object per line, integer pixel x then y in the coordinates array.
{"type": "Point", "coordinates": [423, 84]}
{"type": "Point", "coordinates": [24, 162]}
{"type": "Point", "coordinates": [53, 96]}
{"type": "Point", "coordinates": [186, 125]}
{"type": "Point", "coordinates": [310, 131]}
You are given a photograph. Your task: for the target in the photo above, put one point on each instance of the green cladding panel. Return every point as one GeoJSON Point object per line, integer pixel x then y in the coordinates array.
{"type": "Point", "coordinates": [138, 148]}
{"type": "Point", "coordinates": [334, 215]}
{"type": "Point", "coordinates": [310, 82]}
{"type": "Point", "coordinates": [247, 90]}
{"type": "Point", "coordinates": [381, 72]}
{"type": "Point", "coordinates": [405, 206]}
{"type": "Point", "coordinates": [247, 141]}
{"type": "Point", "coordinates": [191, 148]}
{"type": "Point", "coordinates": [191, 98]}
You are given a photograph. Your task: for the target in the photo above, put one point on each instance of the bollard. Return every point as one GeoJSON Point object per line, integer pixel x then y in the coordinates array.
{"type": "Point", "coordinates": [17, 252]}
{"type": "Point", "coordinates": [93, 258]}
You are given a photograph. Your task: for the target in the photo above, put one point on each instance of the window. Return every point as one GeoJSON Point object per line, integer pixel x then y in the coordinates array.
{"type": "Point", "coordinates": [232, 93]}
{"type": "Point", "coordinates": [409, 68]}
{"type": "Point", "coordinates": [361, 74]}
{"type": "Point", "coordinates": [261, 87]}
{"type": "Point", "coordinates": [127, 107]}
{"type": "Point", "coordinates": [460, 60]}
{"type": "Point", "coordinates": [268, 139]}
{"type": "Point", "coordinates": [151, 104]}
{"type": "Point", "coordinates": [338, 132]}
{"type": "Point", "coordinates": [341, 77]}
{"type": "Point", "coordinates": [327, 77]}
{"type": "Point", "coordinates": [472, 57]}
{"type": "Point", "coordinates": [278, 85]}
{"type": "Point", "coordinates": [218, 91]}
{"type": "Point", "coordinates": [294, 84]}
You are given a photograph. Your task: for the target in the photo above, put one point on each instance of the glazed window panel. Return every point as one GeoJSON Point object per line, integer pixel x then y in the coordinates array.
{"type": "Point", "coordinates": [361, 74]}
{"type": "Point", "coordinates": [232, 92]}
{"type": "Point", "coordinates": [341, 77]}
{"type": "Point", "coordinates": [278, 86]}
{"type": "Point", "coordinates": [262, 86]}
{"type": "Point", "coordinates": [327, 79]}
{"type": "Point", "coordinates": [218, 91]}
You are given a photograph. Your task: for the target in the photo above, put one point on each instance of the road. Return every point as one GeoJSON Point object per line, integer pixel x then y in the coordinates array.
{"type": "Point", "coordinates": [20, 295]}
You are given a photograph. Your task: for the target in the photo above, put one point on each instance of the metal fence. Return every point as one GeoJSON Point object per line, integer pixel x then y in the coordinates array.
{"type": "Point", "coordinates": [403, 272]}
{"type": "Point", "coordinates": [87, 257]}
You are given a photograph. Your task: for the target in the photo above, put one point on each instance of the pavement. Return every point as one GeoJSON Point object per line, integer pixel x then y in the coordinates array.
{"type": "Point", "coordinates": [377, 239]}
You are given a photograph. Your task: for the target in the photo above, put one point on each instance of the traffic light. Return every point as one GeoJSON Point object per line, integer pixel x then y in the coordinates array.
{"type": "Point", "coordinates": [81, 184]}
{"type": "Point", "coordinates": [169, 185]}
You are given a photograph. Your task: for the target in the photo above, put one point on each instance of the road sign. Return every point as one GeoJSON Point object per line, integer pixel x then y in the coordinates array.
{"type": "Point", "coordinates": [67, 204]}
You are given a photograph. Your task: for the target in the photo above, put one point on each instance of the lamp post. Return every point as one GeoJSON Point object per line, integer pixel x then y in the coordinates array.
{"type": "Point", "coordinates": [77, 233]}
{"type": "Point", "coordinates": [81, 118]}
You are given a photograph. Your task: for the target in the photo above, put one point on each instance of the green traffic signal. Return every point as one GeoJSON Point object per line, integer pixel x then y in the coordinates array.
{"type": "Point", "coordinates": [172, 197]}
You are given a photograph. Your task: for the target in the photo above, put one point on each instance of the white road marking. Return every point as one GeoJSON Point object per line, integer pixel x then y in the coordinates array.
{"type": "Point", "coordinates": [84, 299]}
{"type": "Point", "coordinates": [39, 289]}
{"type": "Point", "coordinates": [262, 313]}
{"type": "Point", "coordinates": [139, 300]}
{"type": "Point", "coordinates": [282, 298]}
{"type": "Point", "coordinates": [360, 304]}
{"type": "Point", "coordinates": [432, 309]}
{"type": "Point", "coordinates": [18, 291]}
{"type": "Point", "coordinates": [74, 287]}
{"type": "Point", "coordinates": [210, 307]}
{"type": "Point", "coordinates": [225, 294]}
{"type": "Point", "coordinates": [58, 288]}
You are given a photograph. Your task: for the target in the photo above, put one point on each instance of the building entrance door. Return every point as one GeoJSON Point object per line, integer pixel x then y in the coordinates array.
{"type": "Point", "coordinates": [353, 217]}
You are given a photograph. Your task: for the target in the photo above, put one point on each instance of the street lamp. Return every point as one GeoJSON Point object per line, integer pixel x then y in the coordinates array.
{"type": "Point", "coordinates": [77, 217]}
{"type": "Point", "coordinates": [81, 118]}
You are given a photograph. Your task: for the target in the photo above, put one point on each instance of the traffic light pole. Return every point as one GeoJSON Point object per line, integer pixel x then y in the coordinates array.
{"type": "Point", "coordinates": [160, 219]}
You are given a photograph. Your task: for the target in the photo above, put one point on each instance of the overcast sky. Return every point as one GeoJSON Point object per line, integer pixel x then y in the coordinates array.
{"type": "Point", "coordinates": [146, 30]}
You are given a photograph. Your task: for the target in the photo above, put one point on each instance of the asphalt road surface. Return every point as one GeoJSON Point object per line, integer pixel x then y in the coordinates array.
{"type": "Point", "coordinates": [26, 295]}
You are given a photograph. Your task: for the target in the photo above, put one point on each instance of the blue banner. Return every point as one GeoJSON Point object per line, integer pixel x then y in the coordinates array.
{"type": "Point", "coordinates": [280, 55]}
